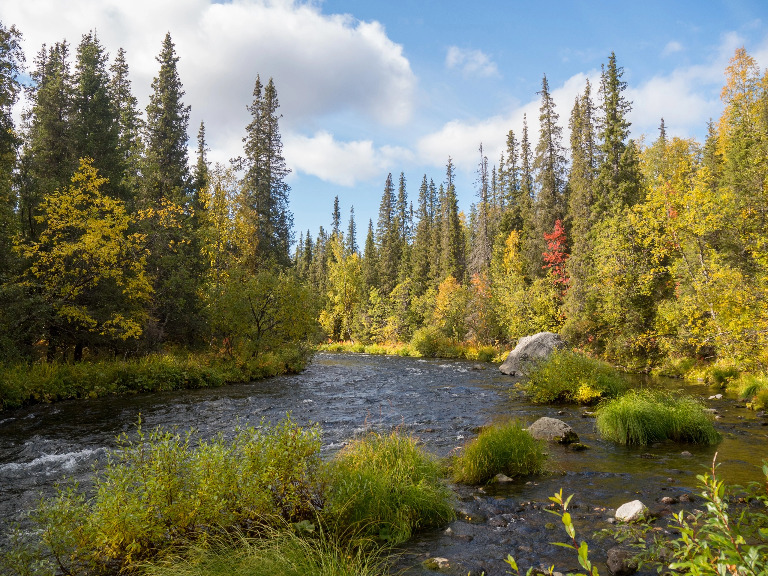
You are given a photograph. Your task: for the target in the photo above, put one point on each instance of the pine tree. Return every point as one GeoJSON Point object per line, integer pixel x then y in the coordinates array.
{"type": "Point", "coordinates": [581, 199]}
{"type": "Point", "coordinates": [264, 187]}
{"type": "Point", "coordinates": [452, 244]}
{"type": "Point", "coordinates": [336, 219]}
{"type": "Point", "coordinates": [388, 246]}
{"type": "Point", "coordinates": [618, 179]}
{"type": "Point", "coordinates": [11, 63]}
{"type": "Point", "coordinates": [404, 224]}
{"type": "Point", "coordinates": [370, 260]}
{"type": "Point", "coordinates": [129, 127]}
{"type": "Point", "coordinates": [95, 120]}
{"type": "Point", "coordinates": [480, 256]}
{"type": "Point", "coordinates": [421, 252]}
{"type": "Point", "coordinates": [550, 165]}
{"type": "Point", "coordinates": [175, 262]}
{"type": "Point", "coordinates": [48, 160]}
{"type": "Point", "coordinates": [351, 240]}
{"type": "Point", "coordinates": [166, 168]}
{"type": "Point", "coordinates": [200, 175]}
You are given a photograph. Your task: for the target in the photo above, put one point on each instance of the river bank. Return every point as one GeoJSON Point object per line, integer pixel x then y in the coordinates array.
{"type": "Point", "coordinates": [443, 403]}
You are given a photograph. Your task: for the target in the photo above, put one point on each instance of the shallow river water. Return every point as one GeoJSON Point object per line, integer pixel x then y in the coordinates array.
{"type": "Point", "coordinates": [441, 402]}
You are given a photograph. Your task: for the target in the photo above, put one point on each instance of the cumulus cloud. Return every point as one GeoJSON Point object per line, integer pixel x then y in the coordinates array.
{"type": "Point", "coordinates": [460, 139]}
{"type": "Point", "coordinates": [470, 62]}
{"type": "Point", "coordinates": [322, 65]}
{"type": "Point", "coordinates": [672, 47]}
{"type": "Point", "coordinates": [342, 163]}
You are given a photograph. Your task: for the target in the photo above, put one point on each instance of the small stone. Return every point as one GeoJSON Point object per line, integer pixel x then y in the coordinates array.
{"type": "Point", "coordinates": [549, 525]}
{"type": "Point", "coordinates": [553, 430]}
{"type": "Point", "coordinates": [436, 564]}
{"type": "Point", "coordinates": [620, 562]}
{"type": "Point", "coordinates": [669, 500]}
{"type": "Point", "coordinates": [686, 454]}
{"type": "Point", "coordinates": [578, 446]}
{"type": "Point", "coordinates": [711, 410]}
{"type": "Point", "coordinates": [716, 397]}
{"type": "Point", "coordinates": [502, 479]}
{"type": "Point", "coordinates": [686, 498]}
{"type": "Point", "coordinates": [631, 511]}
{"type": "Point", "coordinates": [588, 414]}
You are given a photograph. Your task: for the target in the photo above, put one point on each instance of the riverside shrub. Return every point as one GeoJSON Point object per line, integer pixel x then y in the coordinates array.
{"type": "Point", "coordinates": [505, 448]}
{"type": "Point", "coordinates": [385, 487]}
{"type": "Point", "coordinates": [165, 489]}
{"type": "Point", "coordinates": [641, 417]}
{"type": "Point", "coordinates": [565, 376]}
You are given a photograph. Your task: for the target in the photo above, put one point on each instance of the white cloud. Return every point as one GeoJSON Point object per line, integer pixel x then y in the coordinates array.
{"type": "Point", "coordinates": [323, 65]}
{"type": "Point", "coordinates": [461, 139]}
{"type": "Point", "coordinates": [470, 62]}
{"type": "Point", "coordinates": [672, 47]}
{"type": "Point", "coordinates": [342, 163]}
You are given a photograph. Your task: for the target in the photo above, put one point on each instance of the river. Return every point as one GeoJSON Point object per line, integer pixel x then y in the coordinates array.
{"type": "Point", "coordinates": [441, 402]}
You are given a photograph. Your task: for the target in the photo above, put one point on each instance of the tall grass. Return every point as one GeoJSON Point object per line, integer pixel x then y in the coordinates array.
{"type": "Point", "coordinates": [566, 376]}
{"type": "Point", "coordinates": [499, 449]}
{"type": "Point", "coordinates": [277, 552]}
{"type": "Point", "coordinates": [50, 382]}
{"type": "Point", "coordinates": [641, 417]}
{"type": "Point", "coordinates": [165, 490]}
{"type": "Point", "coordinates": [754, 389]}
{"type": "Point", "coordinates": [386, 487]}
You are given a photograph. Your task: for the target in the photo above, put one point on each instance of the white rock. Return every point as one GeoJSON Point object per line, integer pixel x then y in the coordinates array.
{"type": "Point", "coordinates": [631, 511]}
{"type": "Point", "coordinates": [716, 397]}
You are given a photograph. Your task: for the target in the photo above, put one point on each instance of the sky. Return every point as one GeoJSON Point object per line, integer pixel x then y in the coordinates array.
{"type": "Point", "coordinates": [368, 88]}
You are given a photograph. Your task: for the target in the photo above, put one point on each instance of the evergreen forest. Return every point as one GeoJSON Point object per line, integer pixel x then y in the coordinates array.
{"type": "Point", "coordinates": [644, 250]}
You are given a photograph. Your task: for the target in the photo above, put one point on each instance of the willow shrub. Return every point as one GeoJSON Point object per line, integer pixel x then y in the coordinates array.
{"type": "Point", "coordinates": [165, 489]}
{"type": "Point", "coordinates": [641, 417]}
{"type": "Point", "coordinates": [505, 448]}
{"type": "Point", "coordinates": [566, 376]}
{"type": "Point", "coordinates": [385, 487]}
{"type": "Point", "coordinates": [754, 389]}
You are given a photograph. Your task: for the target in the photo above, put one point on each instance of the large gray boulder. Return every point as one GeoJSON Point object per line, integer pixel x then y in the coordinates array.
{"type": "Point", "coordinates": [553, 430]}
{"type": "Point", "coordinates": [529, 351]}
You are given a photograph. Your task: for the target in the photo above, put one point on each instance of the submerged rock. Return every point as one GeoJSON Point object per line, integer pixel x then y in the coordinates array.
{"type": "Point", "coordinates": [620, 562]}
{"type": "Point", "coordinates": [553, 430]}
{"type": "Point", "coordinates": [529, 351]}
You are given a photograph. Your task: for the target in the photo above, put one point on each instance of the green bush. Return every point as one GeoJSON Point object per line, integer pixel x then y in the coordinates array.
{"type": "Point", "coordinates": [385, 487]}
{"type": "Point", "coordinates": [277, 553]}
{"type": "Point", "coordinates": [566, 376]}
{"type": "Point", "coordinates": [499, 449]}
{"type": "Point", "coordinates": [165, 490]}
{"type": "Point", "coordinates": [641, 417]}
{"type": "Point", "coordinates": [428, 341]}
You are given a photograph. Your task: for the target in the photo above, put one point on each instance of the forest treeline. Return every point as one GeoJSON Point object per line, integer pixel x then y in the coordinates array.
{"type": "Point", "coordinates": [114, 242]}
{"type": "Point", "coordinates": [640, 252]}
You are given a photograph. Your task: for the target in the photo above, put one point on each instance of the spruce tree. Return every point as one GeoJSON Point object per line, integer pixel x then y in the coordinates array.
{"type": "Point", "coordinates": [422, 242]}
{"type": "Point", "coordinates": [48, 159]}
{"type": "Point", "coordinates": [370, 260]}
{"type": "Point", "coordinates": [480, 256]}
{"type": "Point", "coordinates": [95, 125]}
{"type": "Point", "coordinates": [166, 168]}
{"type": "Point", "coordinates": [129, 128]}
{"type": "Point", "coordinates": [550, 167]}
{"type": "Point", "coordinates": [452, 244]}
{"type": "Point", "coordinates": [200, 175]}
{"type": "Point", "coordinates": [388, 246]}
{"type": "Point", "coordinates": [336, 219]}
{"type": "Point", "coordinates": [618, 178]}
{"type": "Point", "coordinates": [265, 191]}
{"type": "Point", "coordinates": [351, 239]}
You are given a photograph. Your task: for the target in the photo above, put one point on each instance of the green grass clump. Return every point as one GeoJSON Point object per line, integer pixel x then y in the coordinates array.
{"type": "Point", "coordinates": [385, 487]}
{"type": "Point", "coordinates": [566, 376]}
{"type": "Point", "coordinates": [641, 417]}
{"type": "Point", "coordinates": [282, 553]}
{"type": "Point", "coordinates": [754, 389]}
{"type": "Point", "coordinates": [165, 490]}
{"type": "Point", "coordinates": [499, 449]}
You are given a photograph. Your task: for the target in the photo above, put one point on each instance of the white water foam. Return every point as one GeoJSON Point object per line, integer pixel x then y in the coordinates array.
{"type": "Point", "coordinates": [49, 462]}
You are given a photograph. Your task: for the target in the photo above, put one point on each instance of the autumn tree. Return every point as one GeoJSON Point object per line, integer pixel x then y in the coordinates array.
{"type": "Point", "coordinates": [88, 268]}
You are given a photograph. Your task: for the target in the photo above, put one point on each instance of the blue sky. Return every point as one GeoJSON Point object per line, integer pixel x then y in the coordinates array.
{"type": "Point", "coordinates": [368, 88]}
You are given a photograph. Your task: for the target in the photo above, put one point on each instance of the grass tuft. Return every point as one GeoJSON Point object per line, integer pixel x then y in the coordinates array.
{"type": "Point", "coordinates": [385, 487]}
{"type": "Point", "coordinates": [566, 376]}
{"type": "Point", "coordinates": [499, 449]}
{"type": "Point", "coordinates": [754, 389]}
{"type": "Point", "coordinates": [641, 417]}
